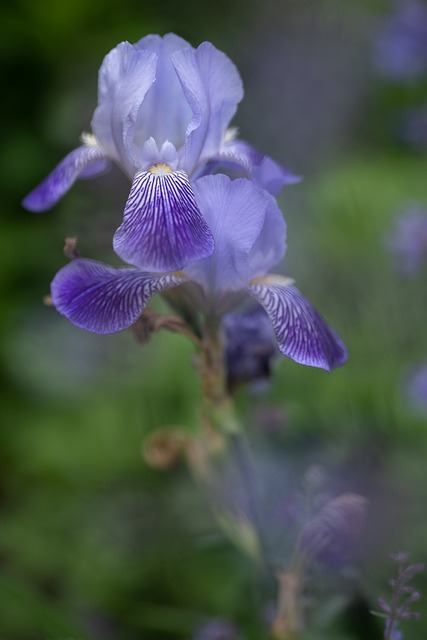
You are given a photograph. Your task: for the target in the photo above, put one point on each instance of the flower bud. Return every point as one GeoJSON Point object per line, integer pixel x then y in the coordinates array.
{"type": "Point", "coordinates": [163, 448]}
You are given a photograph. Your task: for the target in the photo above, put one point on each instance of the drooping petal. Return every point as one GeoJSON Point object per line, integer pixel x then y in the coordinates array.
{"type": "Point", "coordinates": [165, 113]}
{"type": "Point", "coordinates": [84, 160]}
{"type": "Point", "coordinates": [213, 89]}
{"type": "Point", "coordinates": [163, 229]}
{"type": "Point", "coordinates": [301, 332]}
{"type": "Point", "coordinates": [235, 212]}
{"type": "Point", "coordinates": [264, 171]}
{"type": "Point", "coordinates": [125, 77]}
{"type": "Point", "coordinates": [104, 299]}
{"type": "Point", "coordinates": [96, 169]}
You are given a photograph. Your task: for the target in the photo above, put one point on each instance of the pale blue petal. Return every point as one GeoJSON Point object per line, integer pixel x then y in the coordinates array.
{"type": "Point", "coordinates": [104, 299]}
{"type": "Point", "coordinates": [150, 154]}
{"type": "Point", "coordinates": [125, 77]}
{"type": "Point", "coordinates": [213, 89]}
{"type": "Point", "coordinates": [76, 164]}
{"type": "Point", "coordinates": [264, 171]}
{"type": "Point", "coordinates": [270, 245]}
{"type": "Point", "coordinates": [163, 229]}
{"type": "Point", "coordinates": [235, 212]}
{"type": "Point", "coordinates": [301, 332]}
{"type": "Point", "coordinates": [165, 113]}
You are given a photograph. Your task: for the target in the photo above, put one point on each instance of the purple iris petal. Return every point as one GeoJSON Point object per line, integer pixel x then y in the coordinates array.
{"type": "Point", "coordinates": [216, 629]}
{"type": "Point", "coordinates": [150, 154]}
{"type": "Point", "coordinates": [95, 169]}
{"type": "Point", "coordinates": [213, 89]}
{"type": "Point", "coordinates": [163, 229]}
{"type": "Point", "coordinates": [300, 331]}
{"type": "Point", "coordinates": [125, 77]}
{"type": "Point", "coordinates": [270, 175]}
{"type": "Point", "coordinates": [264, 171]}
{"type": "Point", "coordinates": [408, 239]}
{"type": "Point", "coordinates": [75, 164]}
{"type": "Point", "coordinates": [165, 113]}
{"type": "Point", "coordinates": [401, 45]}
{"type": "Point", "coordinates": [270, 246]}
{"type": "Point", "coordinates": [394, 633]}
{"type": "Point", "coordinates": [250, 346]}
{"type": "Point", "coordinates": [104, 299]}
{"type": "Point", "coordinates": [235, 212]}
{"type": "Point", "coordinates": [416, 388]}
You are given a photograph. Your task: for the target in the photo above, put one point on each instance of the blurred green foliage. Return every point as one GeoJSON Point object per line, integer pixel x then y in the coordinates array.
{"type": "Point", "coordinates": [93, 543]}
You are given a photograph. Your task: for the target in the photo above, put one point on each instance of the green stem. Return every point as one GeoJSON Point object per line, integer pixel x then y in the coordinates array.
{"type": "Point", "coordinates": [242, 457]}
{"type": "Point", "coordinates": [218, 406]}
{"type": "Point", "coordinates": [222, 434]}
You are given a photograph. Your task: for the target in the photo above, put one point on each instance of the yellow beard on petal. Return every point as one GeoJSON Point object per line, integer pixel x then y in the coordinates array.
{"type": "Point", "coordinates": [160, 169]}
{"type": "Point", "coordinates": [179, 274]}
{"type": "Point", "coordinates": [89, 139]}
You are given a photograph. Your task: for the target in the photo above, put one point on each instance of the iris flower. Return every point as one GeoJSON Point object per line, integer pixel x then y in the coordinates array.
{"type": "Point", "coordinates": [408, 239]}
{"type": "Point", "coordinates": [163, 114]}
{"type": "Point", "coordinates": [249, 234]}
{"type": "Point", "coordinates": [401, 45]}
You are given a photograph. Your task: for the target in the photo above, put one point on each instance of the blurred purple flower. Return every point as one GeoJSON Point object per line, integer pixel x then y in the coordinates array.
{"type": "Point", "coordinates": [416, 388]}
{"type": "Point", "coordinates": [408, 239]}
{"type": "Point", "coordinates": [404, 595]}
{"type": "Point", "coordinates": [401, 45]}
{"type": "Point", "coordinates": [163, 114]}
{"type": "Point", "coordinates": [392, 631]}
{"type": "Point", "coordinates": [217, 629]}
{"type": "Point", "coordinates": [249, 233]}
{"type": "Point", "coordinates": [250, 346]}
{"type": "Point", "coordinates": [333, 533]}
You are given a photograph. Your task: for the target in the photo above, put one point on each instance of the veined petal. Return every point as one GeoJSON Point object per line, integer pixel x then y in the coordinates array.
{"type": "Point", "coordinates": [163, 229]}
{"type": "Point", "coordinates": [264, 171]}
{"type": "Point", "coordinates": [213, 89]}
{"type": "Point", "coordinates": [75, 164]}
{"type": "Point", "coordinates": [104, 299]}
{"type": "Point", "coordinates": [301, 332]}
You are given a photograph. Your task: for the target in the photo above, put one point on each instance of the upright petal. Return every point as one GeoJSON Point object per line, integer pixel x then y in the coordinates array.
{"type": "Point", "coordinates": [165, 113]}
{"type": "Point", "coordinates": [104, 299]}
{"type": "Point", "coordinates": [150, 155]}
{"type": "Point", "coordinates": [301, 332]}
{"type": "Point", "coordinates": [235, 212]}
{"type": "Point", "coordinates": [125, 77]}
{"type": "Point", "coordinates": [264, 171]}
{"type": "Point", "coordinates": [213, 89]}
{"type": "Point", "coordinates": [163, 229]}
{"type": "Point", "coordinates": [85, 161]}
{"type": "Point", "coordinates": [270, 246]}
